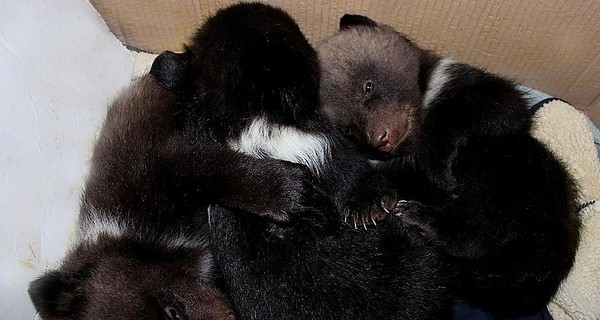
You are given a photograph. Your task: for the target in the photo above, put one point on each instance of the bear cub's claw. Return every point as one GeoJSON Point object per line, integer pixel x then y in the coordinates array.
{"type": "Point", "coordinates": [370, 214]}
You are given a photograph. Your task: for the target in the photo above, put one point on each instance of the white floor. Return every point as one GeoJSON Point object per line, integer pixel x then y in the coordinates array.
{"type": "Point", "coordinates": [59, 68]}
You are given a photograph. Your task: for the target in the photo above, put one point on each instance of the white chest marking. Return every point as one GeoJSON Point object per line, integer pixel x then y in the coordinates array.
{"type": "Point", "coordinates": [265, 140]}
{"type": "Point", "coordinates": [439, 77]}
{"type": "Point", "coordinates": [95, 224]}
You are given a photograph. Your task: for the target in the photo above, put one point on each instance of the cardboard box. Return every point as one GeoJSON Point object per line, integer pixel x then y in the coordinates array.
{"type": "Point", "coordinates": [552, 46]}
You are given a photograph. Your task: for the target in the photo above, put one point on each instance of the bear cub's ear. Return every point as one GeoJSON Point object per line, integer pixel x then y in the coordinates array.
{"type": "Point", "coordinates": [55, 297]}
{"type": "Point", "coordinates": [352, 20]}
{"type": "Point", "coordinates": [171, 70]}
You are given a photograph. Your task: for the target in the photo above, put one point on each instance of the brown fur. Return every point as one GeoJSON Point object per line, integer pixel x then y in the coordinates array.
{"type": "Point", "coordinates": [388, 57]}
{"type": "Point", "coordinates": [137, 256]}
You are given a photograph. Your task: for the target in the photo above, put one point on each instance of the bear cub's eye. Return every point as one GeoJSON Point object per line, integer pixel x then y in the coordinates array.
{"type": "Point", "coordinates": [368, 88]}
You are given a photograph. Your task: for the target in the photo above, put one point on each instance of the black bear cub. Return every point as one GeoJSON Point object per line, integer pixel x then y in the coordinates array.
{"type": "Point", "coordinates": [142, 249]}
{"type": "Point", "coordinates": [455, 149]}
{"type": "Point", "coordinates": [250, 81]}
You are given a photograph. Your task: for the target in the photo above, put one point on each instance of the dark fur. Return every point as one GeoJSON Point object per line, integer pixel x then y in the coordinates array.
{"type": "Point", "coordinates": [143, 273]}
{"type": "Point", "coordinates": [479, 186]}
{"type": "Point", "coordinates": [250, 61]}
{"type": "Point", "coordinates": [153, 177]}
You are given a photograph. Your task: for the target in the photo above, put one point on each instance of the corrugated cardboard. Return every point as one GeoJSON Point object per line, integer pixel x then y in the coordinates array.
{"type": "Point", "coordinates": [553, 46]}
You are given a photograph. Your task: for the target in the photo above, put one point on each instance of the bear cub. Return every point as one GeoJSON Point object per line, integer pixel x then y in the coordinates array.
{"type": "Point", "coordinates": [140, 253]}
{"type": "Point", "coordinates": [456, 163]}
{"type": "Point", "coordinates": [142, 249]}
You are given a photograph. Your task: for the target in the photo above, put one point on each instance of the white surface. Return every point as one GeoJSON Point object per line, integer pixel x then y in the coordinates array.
{"type": "Point", "coordinates": [59, 68]}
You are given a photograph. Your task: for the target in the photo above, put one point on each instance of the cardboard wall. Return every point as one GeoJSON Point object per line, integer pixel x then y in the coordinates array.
{"type": "Point", "coordinates": [552, 46]}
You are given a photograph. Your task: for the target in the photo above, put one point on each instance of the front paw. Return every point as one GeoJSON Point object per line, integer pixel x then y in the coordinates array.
{"type": "Point", "coordinates": [365, 213]}
{"type": "Point", "coordinates": [292, 191]}
{"type": "Point", "coordinates": [415, 215]}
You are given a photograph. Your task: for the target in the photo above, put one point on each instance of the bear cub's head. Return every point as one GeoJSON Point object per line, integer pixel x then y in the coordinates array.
{"type": "Point", "coordinates": [371, 84]}
{"type": "Point", "coordinates": [236, 70]}
{"type": "Point", "coordinates": [128, 279]}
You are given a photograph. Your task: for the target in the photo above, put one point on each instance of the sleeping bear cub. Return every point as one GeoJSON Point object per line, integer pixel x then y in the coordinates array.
{"type": "Point", "coordinates": [250, 81]}
{"type": "Point", "coordinates": [140, 252]}
{"type": "Point", "coordinates": [142, 248]}
{"type": "Point", "coordinates": [456, 151]}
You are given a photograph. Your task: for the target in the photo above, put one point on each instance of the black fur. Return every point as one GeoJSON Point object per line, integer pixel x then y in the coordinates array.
{"type": "Point", "coordinates": [152, 178]}
{"type": "Point", "coordinates": [251, 61]}
{"type": "Point", "coordinates": [169, 69]}
{"type": "Point", "coordinates": [471, 178]}
{"type": "Point", "coordinates": [350, 20]}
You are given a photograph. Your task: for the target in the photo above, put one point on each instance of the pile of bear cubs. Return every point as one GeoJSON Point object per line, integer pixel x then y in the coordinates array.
{"type": "Point", "coordinates": [255, 177]}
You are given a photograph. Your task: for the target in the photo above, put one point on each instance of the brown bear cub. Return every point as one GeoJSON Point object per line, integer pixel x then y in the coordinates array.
{"type": "Point", "coordinates": [140, 251]}
{"type": "Point", "coordinates": [454, 148]}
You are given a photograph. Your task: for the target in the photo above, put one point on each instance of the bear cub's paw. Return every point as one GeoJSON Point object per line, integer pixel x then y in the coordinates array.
{"type": "Point", "coordinates": [369, 211]}
{"type": "Point", "coordinates": [293, 190]}
{"type": "Point", "coordinates": [415, 215]}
